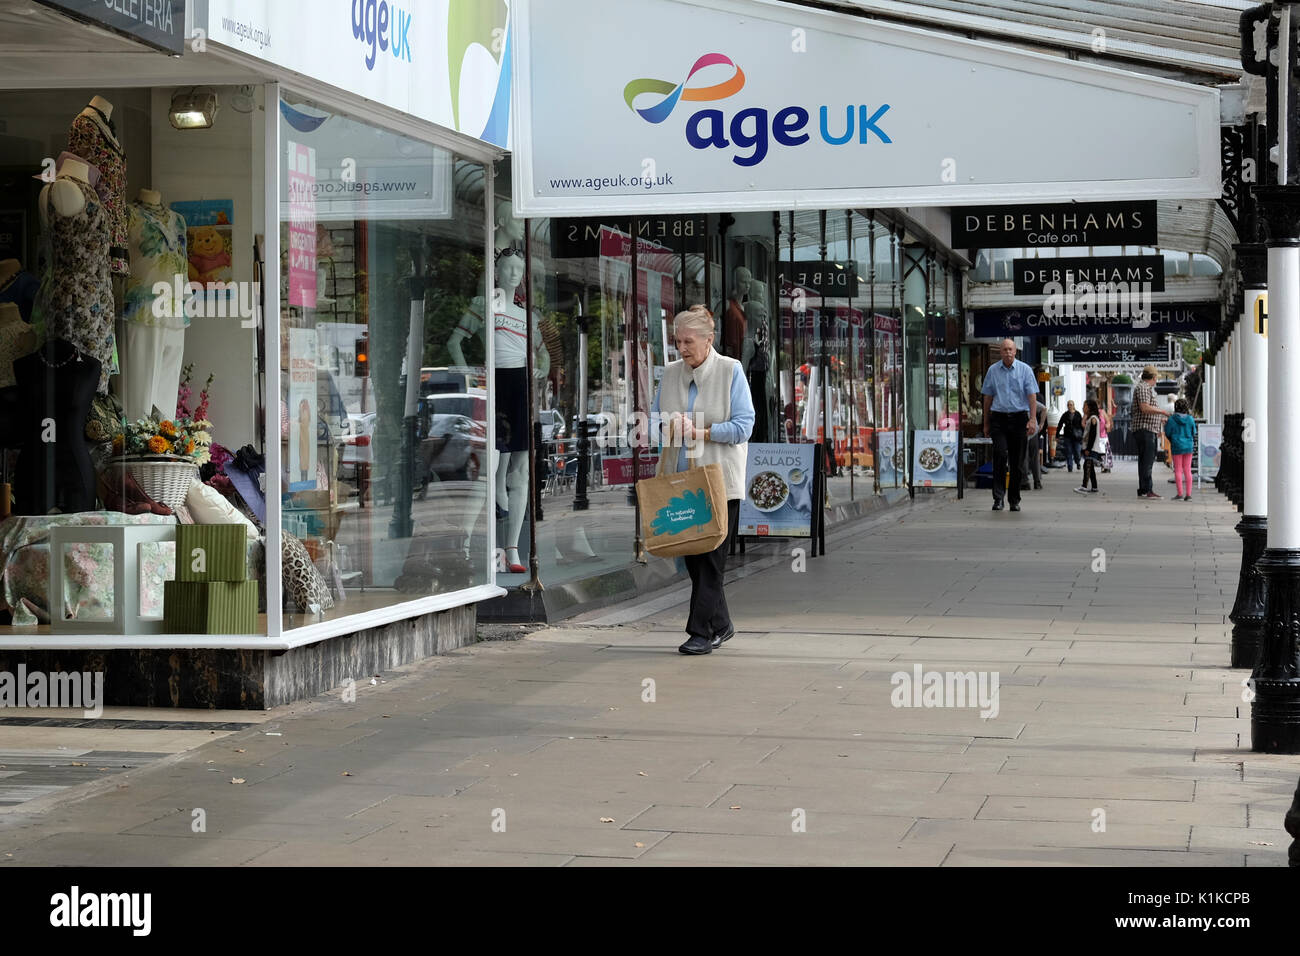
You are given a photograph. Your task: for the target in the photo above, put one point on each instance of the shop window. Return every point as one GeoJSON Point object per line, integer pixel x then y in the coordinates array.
{"type": "Point", "coordinates": [128, 403]}
{"type": "Point", "coordinates": [384, 405]}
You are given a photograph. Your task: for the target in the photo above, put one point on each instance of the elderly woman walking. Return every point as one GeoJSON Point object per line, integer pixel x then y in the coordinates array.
{"type": "Point", "coordinates": [705, 400]}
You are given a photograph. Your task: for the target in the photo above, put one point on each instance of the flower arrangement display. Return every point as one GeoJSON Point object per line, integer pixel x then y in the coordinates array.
{"type": "Point", "coordinates": [185, 436]}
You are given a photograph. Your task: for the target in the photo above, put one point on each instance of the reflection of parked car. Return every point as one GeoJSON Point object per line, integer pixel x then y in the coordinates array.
{"type": "Point", "coordinates": [357, 433]}
{"type": "Point", "coordinates": [602, 427]}
{"type": "Point", "coordinates": [453, 437]}
{"type": "Point", "coordinates": [552, 424]}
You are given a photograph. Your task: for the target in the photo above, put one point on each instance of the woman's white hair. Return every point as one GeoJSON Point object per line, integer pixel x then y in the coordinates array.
{"type": "Point", "coordinates": [696, 319]}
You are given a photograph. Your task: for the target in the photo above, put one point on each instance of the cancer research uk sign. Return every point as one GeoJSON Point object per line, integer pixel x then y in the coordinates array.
{"type": "Point", "coordinates": [778, 491]}
{"type": "Point", "coordinates": [758, 105]}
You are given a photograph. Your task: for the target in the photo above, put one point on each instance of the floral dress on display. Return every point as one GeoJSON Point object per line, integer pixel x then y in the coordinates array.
{"type": "Point", "coordinates": [75, 300]}
{"type": "Point", "coordinates": [90, 142]}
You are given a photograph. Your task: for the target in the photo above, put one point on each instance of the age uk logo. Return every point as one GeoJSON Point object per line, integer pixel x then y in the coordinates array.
{"type": "Point", "coordinates": [752, 128]}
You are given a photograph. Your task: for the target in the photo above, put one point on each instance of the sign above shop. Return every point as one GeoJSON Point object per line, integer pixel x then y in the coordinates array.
{"type": "Point", "coordinates": [1055, 224]}
{"type": "Point", "coordinates": [1162, 317]}
{"type": "Point", "coordinates": [1132, 341]}
{"type": "Point", "coordinates": [580, 238]}
{"type": "Point", "coordinates": [759, 105]}
{"type": "Point", "coordinates": [156, 23]}
{"type": "Point", "coordinates": [1134, 369]}
{"type": "Point", "coordinates": [446, 63]}
{"type": "Point", "coordinates": [363, 172]}
{"type": "Point", "coordinates": [1090, 357]}
{"type": "Point", "coordinates": [834, 279]}
{"type": "Point", "coordinates": [1033, 276]}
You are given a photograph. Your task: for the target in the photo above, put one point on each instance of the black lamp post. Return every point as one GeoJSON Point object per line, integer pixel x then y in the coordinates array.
{"type": "Point", "coordinates": [1275, 710]}
{"type": "Point", "coordinates": [580, 501]}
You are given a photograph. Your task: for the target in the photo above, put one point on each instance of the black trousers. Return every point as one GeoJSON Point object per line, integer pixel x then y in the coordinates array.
{"type": "Point", "coordinates": [1009, 438]}
{"type": "Point", "coordinates": [1089, 470]}
{"type": "Point", "coordinates": [1146, 449]}
{"type": "Point", "coordinates": [709, 614]}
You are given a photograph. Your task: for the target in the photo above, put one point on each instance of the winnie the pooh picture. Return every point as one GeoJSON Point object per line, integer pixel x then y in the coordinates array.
{"type": "Point", "coordinates": [209, 254]}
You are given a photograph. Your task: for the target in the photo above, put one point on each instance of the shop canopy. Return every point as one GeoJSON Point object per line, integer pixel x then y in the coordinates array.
{"type": "Point", "coordinates": [697, 105]}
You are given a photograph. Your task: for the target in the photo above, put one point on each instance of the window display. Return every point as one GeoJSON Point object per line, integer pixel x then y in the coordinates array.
{"type": "Point", "coordinates": [100, 429]}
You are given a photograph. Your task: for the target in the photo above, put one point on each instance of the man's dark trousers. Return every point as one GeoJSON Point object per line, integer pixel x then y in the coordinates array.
{"type": "Point", "coordinates": [1146, 449]}
{"type": "Point", "coordinates": [1008, 431]}
{"type": "Point", "coordinates": [708, 610]}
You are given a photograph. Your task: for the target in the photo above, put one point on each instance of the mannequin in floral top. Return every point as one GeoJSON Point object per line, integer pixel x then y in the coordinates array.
{"type": "Point", "coordinates": [76, 294]}
{"type": "Point", "coordinates": [155, 318]}
{"type": "Point", "coordinates": [94, 138]}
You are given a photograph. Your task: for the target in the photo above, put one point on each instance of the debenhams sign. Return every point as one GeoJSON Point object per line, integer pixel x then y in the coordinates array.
{"type": "Point", "coordinates": [1032, 276]}
{"type": "Point", "coordinates": [1055, 224]}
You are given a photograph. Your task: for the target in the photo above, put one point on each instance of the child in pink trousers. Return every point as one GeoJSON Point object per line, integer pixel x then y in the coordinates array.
{"type": "Point", "coordinates": [1180, 428]}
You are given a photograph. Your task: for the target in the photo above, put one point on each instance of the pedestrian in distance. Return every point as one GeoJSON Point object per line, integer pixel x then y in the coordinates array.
{"type": "Point", "coordinates": [1108, 459]}
{"type": "Point", "coordinates": [706, 397]}
{"type": "Point", "coordinates": [1180, 428]}
{"type": "Point", "coordinates": [1148, 426]}
{"type": "Point", "coordinates": [1092, 454]}
{"type": "Point", "coordinates": [1070, 431]}
{"type": "Point", "coordinates": [1010, 413]}
{"type": "Point", "coordinates": [1033, 455]}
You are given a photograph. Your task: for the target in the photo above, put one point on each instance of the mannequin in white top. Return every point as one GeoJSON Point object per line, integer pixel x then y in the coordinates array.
{"type": "Point", "coordinates": [509, 359]}
{"type": "Point", "coordinates": [152, 335]}
{"type": "Point", "coordinates": [509, 230]}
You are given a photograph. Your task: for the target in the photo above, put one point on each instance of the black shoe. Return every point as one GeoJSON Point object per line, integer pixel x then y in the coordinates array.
{"type": "Point", "coordinates": [997, 504]}
{"type": "Point", "coordinates": [723, 636]}
{"type": "Point", "coordinates": [1038, 486]}
{"type": "Point", "coordinates": [697, 645]}
{"type": "Point", "coordinates": [1015, 506]}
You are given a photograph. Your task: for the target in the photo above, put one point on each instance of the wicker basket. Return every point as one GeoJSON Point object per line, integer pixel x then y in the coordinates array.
{"type": "Point", "coordinates": [163, 478]}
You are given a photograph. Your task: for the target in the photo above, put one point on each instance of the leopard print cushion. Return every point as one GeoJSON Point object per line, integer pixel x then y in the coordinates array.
{"type": "Point", "coordinates": [302, 582]}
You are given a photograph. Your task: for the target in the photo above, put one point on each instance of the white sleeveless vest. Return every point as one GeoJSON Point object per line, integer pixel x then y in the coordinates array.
{"type": "Point", "coordinates": [712, 405]}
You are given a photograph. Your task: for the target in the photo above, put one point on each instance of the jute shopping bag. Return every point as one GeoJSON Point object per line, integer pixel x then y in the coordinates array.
{"type": "Point", "coordinates": [682, 512]}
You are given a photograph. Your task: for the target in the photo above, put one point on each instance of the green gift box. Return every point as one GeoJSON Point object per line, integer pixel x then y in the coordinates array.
{"type": "Point", "coordinates": [211, 552]}
{"type": "Point", "coordinates": [210, 607]}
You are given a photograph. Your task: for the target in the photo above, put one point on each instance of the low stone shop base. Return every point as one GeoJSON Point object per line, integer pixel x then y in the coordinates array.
{"type": "Point", "coordinates": [254, 679]}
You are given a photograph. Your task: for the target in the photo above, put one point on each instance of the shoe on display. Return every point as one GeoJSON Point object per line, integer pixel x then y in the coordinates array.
{"type": "Point", "coordinates": [696, 644]}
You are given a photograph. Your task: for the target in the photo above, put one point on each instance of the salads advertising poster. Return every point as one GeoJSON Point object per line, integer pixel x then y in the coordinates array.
{"type": "Point", "coordinates": [893, 459]}
{"type": "Point", "coordinates": [934, 459]}
{"type": "Point", "coordinates": [778, 491]}
{"type": "Point", "coordinates": [1211, 438]}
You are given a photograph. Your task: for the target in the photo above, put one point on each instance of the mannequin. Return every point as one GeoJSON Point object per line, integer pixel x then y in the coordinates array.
{"type": "Point", "coordinates": [153, 333]}
{"type": "Point", "coordinates": [511, 392]}
{"type": "Point", "coordinates": [755, 356]}
{"type": "Point", "coordinates": [17, 339]}
{"type": "Point", "coordinates": [734, 323]}
{"type": "Point", "coordinates": [18, 287]}
{"type": "Point", "coordinates": [77, 297]}
{"type": "Point", "coordinates": [509, 230]}
{"type": "Point", "coordinates": [93, 137]}
{"type": "Point", "coordinates": [56, 385]}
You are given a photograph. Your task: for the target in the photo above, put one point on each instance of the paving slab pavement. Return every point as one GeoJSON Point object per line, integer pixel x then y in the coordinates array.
{"type": "Point", "coordinates": [1120, 736]}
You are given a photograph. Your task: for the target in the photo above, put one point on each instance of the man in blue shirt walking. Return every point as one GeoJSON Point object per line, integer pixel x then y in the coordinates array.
{"type": "Point", "coordinates": [1010, 409]}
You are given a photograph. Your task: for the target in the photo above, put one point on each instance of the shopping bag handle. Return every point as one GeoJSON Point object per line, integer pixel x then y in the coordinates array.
{"type": "Point", "coordinates": [662, 468]}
